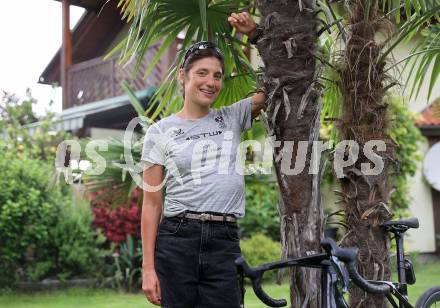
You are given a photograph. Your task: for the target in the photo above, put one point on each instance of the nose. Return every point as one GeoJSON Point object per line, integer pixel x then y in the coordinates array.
{"type": "Point", "coordinates": [211, 81]}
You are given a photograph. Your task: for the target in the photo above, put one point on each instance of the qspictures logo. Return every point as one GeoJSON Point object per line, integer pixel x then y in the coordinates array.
{"type": "Point", "coordinates": [345, 154]}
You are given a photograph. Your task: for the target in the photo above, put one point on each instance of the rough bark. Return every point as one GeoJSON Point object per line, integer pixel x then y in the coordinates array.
{"type": "Point", "coordinates": [364, 118]}
{"type": "Point", "coordinates": [288, 50]}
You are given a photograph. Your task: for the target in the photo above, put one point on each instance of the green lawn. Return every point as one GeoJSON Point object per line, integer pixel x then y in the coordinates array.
{"type": "Point", "coordinates": [427, 275]}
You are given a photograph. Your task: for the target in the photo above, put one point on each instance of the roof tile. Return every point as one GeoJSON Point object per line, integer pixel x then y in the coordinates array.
{"type": "Point", "coordinates": [430, 116]}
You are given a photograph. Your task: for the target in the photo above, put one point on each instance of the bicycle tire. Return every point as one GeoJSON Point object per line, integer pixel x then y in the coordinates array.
{"type": "Point", "coordinates": [429, 297]}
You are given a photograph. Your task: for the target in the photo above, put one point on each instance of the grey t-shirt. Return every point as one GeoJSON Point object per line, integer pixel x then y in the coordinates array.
{"type": "Point", "coordinates": [203, 168]}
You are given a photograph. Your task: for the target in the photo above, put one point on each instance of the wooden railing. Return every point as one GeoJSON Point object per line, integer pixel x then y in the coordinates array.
{"type": "Point", "coordinates": [99, 79]}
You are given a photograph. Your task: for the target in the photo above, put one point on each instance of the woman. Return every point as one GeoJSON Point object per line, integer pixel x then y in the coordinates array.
{"type": "Point", "coordinates": [188, 259]}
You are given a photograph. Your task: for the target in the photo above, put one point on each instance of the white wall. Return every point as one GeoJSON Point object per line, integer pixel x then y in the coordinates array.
{"type": "Point", "coordinates": [102, 133]}
{"type": "Point", "coordinates": [422, 239]}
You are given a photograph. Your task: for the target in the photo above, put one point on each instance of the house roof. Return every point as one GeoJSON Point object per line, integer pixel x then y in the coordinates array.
{"type": "Point", "coordinates": [91, 37]}
{"type": "Point", "coordinates": [116, 111]}
{"type": "Point", "coordinates": [429, 120]}
{"type": "Point", "coordinates": [88, 4]}
{"type": "Point", "coordinates": [430, 116]}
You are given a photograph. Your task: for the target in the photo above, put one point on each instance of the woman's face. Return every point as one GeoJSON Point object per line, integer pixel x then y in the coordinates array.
{"type": "Point", "coordinates": [203, 82]}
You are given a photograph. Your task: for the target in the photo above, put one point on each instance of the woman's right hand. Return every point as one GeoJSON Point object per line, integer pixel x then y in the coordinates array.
{"type": "Point", "coordinates": [151, 286]}
{"type": "Point", "coordinates": [243, 22]}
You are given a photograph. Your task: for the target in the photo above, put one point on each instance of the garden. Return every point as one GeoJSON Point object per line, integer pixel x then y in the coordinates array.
{"type": "Point", "coordinates": [69, 237]}
{"type": "Point", "coordinates": [63, 245]}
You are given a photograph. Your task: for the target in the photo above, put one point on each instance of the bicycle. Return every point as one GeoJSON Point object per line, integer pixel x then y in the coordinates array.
{"type": "Point", "coordinates": [338, 267]}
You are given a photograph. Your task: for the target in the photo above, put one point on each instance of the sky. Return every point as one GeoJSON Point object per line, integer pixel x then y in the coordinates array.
{"type": "Point", "coordinates": [30, 33]}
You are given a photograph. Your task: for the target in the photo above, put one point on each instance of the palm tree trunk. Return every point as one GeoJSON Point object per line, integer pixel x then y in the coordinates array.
{"type": "Point", "coordinates": [288, 50]}
{"type": "Point", "coordinates": [364, 118]}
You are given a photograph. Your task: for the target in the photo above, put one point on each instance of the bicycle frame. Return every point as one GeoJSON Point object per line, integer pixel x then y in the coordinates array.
{"type": "Point", "coordinates": [334, 273]}
{"type": "Point", "coordinates": [400, 289]}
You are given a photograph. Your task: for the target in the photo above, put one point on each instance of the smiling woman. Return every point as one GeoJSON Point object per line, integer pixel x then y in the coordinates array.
{"type": "Point", "coordinates": [201, 76]}
{"type": "Point", "coordinates": [189, 254]}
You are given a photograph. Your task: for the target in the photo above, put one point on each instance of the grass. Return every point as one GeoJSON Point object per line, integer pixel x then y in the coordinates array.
{"type": "Point", "coordinates": [427, 275]}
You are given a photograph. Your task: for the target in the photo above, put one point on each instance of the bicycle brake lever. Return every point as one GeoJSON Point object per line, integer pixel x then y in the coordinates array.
{"type": "Point", "coordinates": [341, 272]}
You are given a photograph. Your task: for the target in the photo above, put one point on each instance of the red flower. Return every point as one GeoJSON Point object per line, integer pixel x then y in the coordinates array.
{"type": "Point", "coordinates": [116, 224]}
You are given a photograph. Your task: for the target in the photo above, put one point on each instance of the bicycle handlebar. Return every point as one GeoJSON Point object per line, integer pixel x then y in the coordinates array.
{"type": "Point", "coordinates": [346, 255]}
{"type": "Point", "coordinates": [255, 275]}
{"type": "Point", "coordinates": [369, 287]}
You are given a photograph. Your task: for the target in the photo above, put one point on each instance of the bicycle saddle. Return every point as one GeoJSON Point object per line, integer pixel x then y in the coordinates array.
{"type": "Point", "coordinates": [412, 222]}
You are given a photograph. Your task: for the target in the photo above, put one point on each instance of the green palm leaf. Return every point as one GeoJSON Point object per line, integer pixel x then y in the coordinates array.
{"type": "Point", "coordinates": [116, 182]}
{"type": "Point", "coordinates": [427, 53]}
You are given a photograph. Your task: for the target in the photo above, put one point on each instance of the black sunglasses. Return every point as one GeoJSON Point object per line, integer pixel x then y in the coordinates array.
{"type": "Point", "coordinates": [200, 46]}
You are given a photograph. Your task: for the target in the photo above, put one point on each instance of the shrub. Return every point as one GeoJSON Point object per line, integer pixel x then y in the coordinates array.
{"type": "Point", "coordinates": [261, 210]}
{"type": "Point", "coordinates": [260, 249]}
{"type": "Point", "coordinates": [117, 223]}
{"type": "Point", "coordinates": [43, 232]}
{"type": "Point", "coordinates": [77, 247]}
{"type": "Point", "coordinates": [29, 207]}
{"type": "Point", "coordinates": [407, 136]}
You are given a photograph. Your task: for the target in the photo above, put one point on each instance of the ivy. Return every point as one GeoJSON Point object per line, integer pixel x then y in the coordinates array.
{"type": "Point", "coordinates": [407, 137]}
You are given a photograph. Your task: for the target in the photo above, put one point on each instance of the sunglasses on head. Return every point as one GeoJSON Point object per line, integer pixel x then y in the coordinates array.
{"type": "Point", "coordinates": [200, 46]}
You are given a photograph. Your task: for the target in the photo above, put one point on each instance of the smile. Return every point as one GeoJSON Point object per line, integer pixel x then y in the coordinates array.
{"type": "Point", "coordinates": [208, 92]}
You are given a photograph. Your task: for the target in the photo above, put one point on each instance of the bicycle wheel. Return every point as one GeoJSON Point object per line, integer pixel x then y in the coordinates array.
{"type": "Point", "coordinates": [430, 298]}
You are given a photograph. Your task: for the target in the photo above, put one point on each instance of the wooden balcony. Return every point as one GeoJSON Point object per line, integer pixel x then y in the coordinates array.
{"type": "Point", "coordinates": [97, 79]}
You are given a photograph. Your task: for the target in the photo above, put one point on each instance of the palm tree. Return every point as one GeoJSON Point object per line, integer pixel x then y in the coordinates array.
{"type": "Point", "coordinates": [289, 50]}
{"type": "Point", "coordinates": [364, 83]}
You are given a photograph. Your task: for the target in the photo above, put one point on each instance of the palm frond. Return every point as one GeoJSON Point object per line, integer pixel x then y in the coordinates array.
{"type": "Point", "coordinates": [137, 105]}
{"type": "Point", "coordinates": [409, 28]}
{"type": "Point", "coordinates": [395, 8]}
{"type": "Point", "coordinates": [116, 182]}
{"type": "Point", "coordinates": [425, 55]}
{"type": "Point", "coordinates": [332, 100]}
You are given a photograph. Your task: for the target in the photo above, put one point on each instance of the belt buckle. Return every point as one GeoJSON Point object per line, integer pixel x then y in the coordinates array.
{"type": "Point", "coordinates": [204, 216]}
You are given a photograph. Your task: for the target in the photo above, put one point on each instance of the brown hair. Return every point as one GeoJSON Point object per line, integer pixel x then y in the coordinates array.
{"type": "Point", "coordinates": [194, 54]}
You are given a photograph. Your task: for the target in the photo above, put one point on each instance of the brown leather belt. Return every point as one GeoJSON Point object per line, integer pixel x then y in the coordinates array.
{"type": "Point", "coordinates": [208, 217]}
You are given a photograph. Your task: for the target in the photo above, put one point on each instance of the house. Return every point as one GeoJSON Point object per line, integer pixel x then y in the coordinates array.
{"type": "Point", "coordinates": [426, 199]}
{"type": "Point", "coordinates": [93, 102]}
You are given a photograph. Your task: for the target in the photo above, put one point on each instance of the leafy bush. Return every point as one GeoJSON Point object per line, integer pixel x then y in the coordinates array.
{"type": "Point", "coordinates": [407, 136]}
{"type": "Point", "coordinates": [29, 207]}
{"type": "Point", "coordinates": [261, 210]}
{"type": "Point", "coordinates": [75, 245]}
{"type": "Point", "coordinates": [260, 249]}
{"type": "Point", "coordinates": [43, 233]}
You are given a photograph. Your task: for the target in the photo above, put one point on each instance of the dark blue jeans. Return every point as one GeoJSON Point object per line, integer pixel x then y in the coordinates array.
{"type": "Point", "coordinates": [194, 261]}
